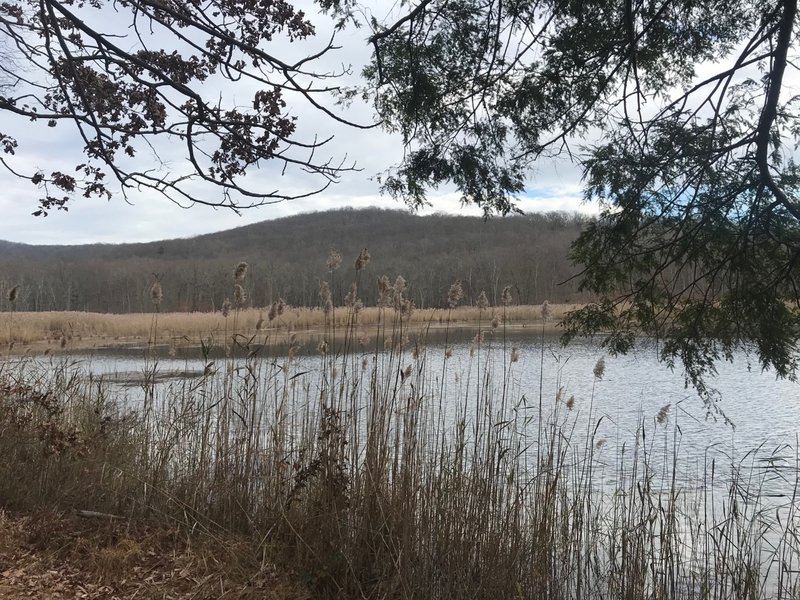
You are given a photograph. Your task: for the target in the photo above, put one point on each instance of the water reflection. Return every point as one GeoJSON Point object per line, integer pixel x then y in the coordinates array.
{"type": "Point", "coordinates": [618, 412]}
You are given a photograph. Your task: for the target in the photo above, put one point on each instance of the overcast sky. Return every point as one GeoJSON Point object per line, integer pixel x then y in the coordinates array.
{"type": "Point", "coordinates": [147, 217]}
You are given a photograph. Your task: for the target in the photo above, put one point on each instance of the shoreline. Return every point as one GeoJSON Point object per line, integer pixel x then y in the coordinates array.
{"type": "Point", "coordinates": [66, 332]}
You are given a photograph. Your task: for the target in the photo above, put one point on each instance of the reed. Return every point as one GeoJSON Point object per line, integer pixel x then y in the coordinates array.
{"type": "Point", "coordinates": [188, 328]}
{"type": "Point", "coordinates": [353, 471]}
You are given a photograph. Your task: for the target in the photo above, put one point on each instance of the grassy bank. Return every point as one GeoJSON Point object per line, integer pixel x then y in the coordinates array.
{"type": "Point", "coordinates": [62, 556]}
{"type": "Point", "coordinates": [82, 329]}
{"type": "Point", "coordinates": [358, 478]}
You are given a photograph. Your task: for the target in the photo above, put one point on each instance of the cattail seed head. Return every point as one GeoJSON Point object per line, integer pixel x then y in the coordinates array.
{"type": "Point", "coordinates": [362, 260]}
{"type": "Point", "coordinates": [334, 260]}
{"type": "Point", "coordinates": [455, 294]}
{"type": "Point", "coordinates": [240, 271]}
{"type": "Point", "coordinates": [483, 301]}
{"type": "Point", "coordinates": [599, 368]}
{"type": "Point", "coordinates": [12, 294]}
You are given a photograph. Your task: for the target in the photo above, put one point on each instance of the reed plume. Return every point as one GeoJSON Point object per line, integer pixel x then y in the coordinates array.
{"type": "Point", "coordinates": [483, 301]}
{"type": "Point", "coordinates": [240, 271]}
{"type": "Point", "coordinates": [239, 295]}
{"type": "Point", "coordinates": [384, 292]}
{"type": "Point", "coordinates": [397, 292]}
{"type": "Point", "coordinates": [156, 294]}
{"type": "Point", "coordinates": [506, 296]}
{"type": "Point", "coordinates": [455, 294]}
{"type": "Point", "coordinates": [352, 296]}
{"type": "Point", "coordinates": [546, 311]}
{"type": "Point", "coordinates": [325, 298]}
{"type": "Point", "coordinates": [362, 260]}
{"type": "Point", "coordinates": [406, 308]}
{"type": "Point", "coordinates": [12, 294]}
{"type": "Point", "coordinates": [334, 260]}
{"type": "Point", "coordinates": [599, 368]}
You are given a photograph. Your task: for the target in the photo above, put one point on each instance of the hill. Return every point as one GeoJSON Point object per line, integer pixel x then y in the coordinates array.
{"type": "Point", "coordinates": [287, 258]}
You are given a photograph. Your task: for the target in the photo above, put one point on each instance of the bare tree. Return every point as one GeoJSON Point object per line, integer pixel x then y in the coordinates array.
{"type": "Point", "coordinates": [131, 75]}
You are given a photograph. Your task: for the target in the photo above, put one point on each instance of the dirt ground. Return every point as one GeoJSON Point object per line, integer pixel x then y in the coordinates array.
{"type": "Point", "coordinates": [55, 556]}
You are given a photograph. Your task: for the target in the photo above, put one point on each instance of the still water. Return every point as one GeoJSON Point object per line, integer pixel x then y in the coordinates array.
{"type": "Point", "coordinates": [754, 410]}
{"type": "Point", "coordinates": [740, 468]}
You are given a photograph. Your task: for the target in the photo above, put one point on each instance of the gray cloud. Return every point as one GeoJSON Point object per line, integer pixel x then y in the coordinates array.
{"type": "Point", "coordinates": [151, 217]}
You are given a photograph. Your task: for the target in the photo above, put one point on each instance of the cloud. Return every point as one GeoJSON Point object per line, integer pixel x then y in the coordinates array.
{"type": "Point", "coordinates": [147, 216]}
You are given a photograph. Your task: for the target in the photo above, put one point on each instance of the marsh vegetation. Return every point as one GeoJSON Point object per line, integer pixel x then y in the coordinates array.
{"type": "Point", "coordinates": [398, 468]}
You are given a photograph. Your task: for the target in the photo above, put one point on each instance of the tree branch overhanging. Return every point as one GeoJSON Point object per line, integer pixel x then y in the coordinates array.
{"type": "Point", "coordinates": [124, 97]}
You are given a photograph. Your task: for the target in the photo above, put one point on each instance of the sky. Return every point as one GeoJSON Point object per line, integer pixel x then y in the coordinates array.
{"type": "Point", "coordinates": [149, 216]}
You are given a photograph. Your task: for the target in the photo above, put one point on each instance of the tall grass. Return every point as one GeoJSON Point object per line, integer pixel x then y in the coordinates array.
{"type": "Point", "coordinates": [361, 476]}
{"type": "Point", "coordinates": [74, 326]}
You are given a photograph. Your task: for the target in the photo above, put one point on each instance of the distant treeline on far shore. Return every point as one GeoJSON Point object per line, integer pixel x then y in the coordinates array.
{"type": "Point", "coordinates": [287, 259]}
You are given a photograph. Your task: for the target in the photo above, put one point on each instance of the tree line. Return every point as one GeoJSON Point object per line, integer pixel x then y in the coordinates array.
{"type": "Point", "coordinates": [287, 259]}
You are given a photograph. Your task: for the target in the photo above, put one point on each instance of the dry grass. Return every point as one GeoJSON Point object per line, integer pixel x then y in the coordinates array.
{"type": "Point", "coordinates": [60, 556]}
{"type": "Point", "coordinates": [380, 474]}
{"type": "Point", "coordinates": [367, 484]}
{"type": "Point", "coordinates": [82, 328]}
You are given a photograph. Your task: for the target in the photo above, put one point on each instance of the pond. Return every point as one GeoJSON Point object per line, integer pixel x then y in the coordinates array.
{"type": "Point", "coordinates": [652, 445]}
{"type": "Point", "coordinates": [754, 409]}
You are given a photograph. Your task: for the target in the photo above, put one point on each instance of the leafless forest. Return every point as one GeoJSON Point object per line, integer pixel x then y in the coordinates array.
{"type": "Point", "coordinates": [287, 259]}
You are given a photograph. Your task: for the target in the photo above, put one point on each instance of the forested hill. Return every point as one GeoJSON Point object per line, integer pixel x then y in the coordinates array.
{"type": "Point", "coordinates": [287, 258]}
